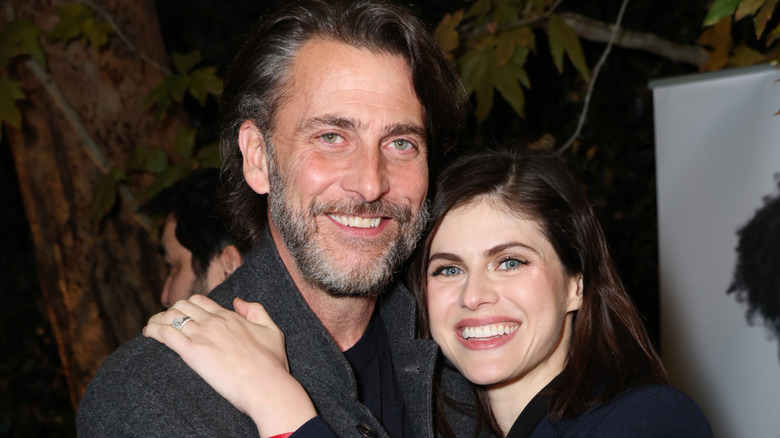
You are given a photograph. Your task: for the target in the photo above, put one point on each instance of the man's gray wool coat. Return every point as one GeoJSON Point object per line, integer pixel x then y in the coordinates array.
{"type": "Point", "coordinates": [144, 389]}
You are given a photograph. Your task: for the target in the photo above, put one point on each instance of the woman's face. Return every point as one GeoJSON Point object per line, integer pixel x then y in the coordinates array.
{"type": "Point", "coordinates": [499, 300]}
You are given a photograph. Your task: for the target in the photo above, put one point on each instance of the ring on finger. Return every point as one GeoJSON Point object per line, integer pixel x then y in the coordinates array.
{"type": "Point", "coordinates": [179, 323]}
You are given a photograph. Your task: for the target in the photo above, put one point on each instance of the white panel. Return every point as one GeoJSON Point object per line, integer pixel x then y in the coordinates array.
{"type": "Point", "coordinates": [717, 151]}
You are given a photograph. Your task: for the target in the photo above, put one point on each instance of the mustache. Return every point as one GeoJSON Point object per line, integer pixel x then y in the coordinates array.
{"type": "Point", "coordinates": [355, 207]}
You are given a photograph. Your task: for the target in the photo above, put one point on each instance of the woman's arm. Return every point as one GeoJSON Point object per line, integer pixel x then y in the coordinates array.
{"type": "Point", "coordinates": [242, 356]}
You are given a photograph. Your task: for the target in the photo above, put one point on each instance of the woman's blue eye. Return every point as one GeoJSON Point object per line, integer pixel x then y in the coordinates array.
{"type": "Point", "coordinates": [510, 264]}
{"type": "Point", "coordinates": [332, 138]}
{"type": "Point", "coordinates": [447, 271]}
{"type": "Point", "coordinates": [402, 144]}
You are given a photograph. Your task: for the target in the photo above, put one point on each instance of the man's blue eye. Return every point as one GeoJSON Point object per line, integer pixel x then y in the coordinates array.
{"type": "Point", "coordinates": [402, 144]}
{"type": "Point", "coordinates": [331, 138]}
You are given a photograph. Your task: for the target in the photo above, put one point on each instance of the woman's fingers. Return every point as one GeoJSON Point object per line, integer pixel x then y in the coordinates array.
{"type": "Point", "coordinates": [254, 312]}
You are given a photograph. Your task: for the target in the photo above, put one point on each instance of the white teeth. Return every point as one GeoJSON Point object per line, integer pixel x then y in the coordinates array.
{"type": "Point", "coordinates": [488, 331]}
{"type": "Point", "coordinates": [357, 221]}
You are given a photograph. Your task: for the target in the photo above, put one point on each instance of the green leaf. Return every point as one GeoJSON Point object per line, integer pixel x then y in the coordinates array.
{"type": "Point", "coordinates": [104, 195]}
{"type": "Point", "coordinates": [507, 40]}
{"type": "Point", "coordinates": [182, 63]}
{"type": "Point", "coordinates": [506, 82]}
{"type": "Point", "coordinates": [763, 16]}
{"type": "Point", "coordinates": [209, 156]}
{"type": "Point", "coordinates": [720, 9]}
{"type": "Point", "coordinates": [171, 89]}
{"type": "Point", "coordinates": [518, 60]}
{"type": "Point", "coordinates": [147, 159]}
{"type": "Point", "coordinates": [204, 81]}
{"type": "Point", "coordinates": [71, 24]}
{"type": "Point", "coordinates": [479, 9]}
{"type": "Point", "coordinates": [475, 73]}
{"type": "Point", "coordinates": [185, 143]}
{"type": "Point", "coordinates": [747, 7]}
{"type": "Point", "coordinates": [446, 32]}
{"type": "Point", "coordinates": [506, 11]}
{"type": "Point", "coordinates": [21, 37]}
{"type": "Point", "coordinates": [97, 32]}
{"type": "Point", "coordinates": [562, 38]}
{"type": "Point", "coordinates": [10, 92]}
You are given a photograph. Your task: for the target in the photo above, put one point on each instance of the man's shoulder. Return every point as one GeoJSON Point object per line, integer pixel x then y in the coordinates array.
{"type": "Point", "coordinates": [145, 389]}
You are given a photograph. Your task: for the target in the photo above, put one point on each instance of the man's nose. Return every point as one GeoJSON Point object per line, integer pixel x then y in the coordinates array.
{"type": "Point", "coordinates": [367, 176]}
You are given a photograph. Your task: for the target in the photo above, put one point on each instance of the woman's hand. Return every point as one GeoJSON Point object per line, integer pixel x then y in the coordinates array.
{"type": "Point", "coordinates": [241, 355]}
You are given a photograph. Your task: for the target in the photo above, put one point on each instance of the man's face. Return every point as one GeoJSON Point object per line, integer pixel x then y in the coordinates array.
{"type": "Point", "coordinates": [182, 282]}
{"type": "Point", "coordinates": [348, 174]}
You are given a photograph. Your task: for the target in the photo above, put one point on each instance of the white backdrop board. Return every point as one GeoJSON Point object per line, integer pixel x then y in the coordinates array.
{"type": "Point", "coordinates": [717, 153]}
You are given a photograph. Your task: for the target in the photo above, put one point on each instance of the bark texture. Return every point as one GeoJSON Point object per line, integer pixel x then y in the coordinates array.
{"type": "Point", "coordinates": [100, 283]}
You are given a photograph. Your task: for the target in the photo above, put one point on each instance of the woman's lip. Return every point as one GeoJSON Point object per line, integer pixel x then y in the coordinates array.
{"type": "Point", "coordinates": [486, 333]}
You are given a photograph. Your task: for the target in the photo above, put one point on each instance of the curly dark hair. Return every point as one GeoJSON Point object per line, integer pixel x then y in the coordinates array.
{"type": "Point", "coordinates": [756, 279]}
{"type": "Point", "coordinates": [257, 83]}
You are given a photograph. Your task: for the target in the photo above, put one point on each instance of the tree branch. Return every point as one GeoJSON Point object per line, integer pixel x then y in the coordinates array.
{"type": "Point", "coordinates": [89, 143]}
{"type": "Point", "coordinates": [110, 20]}
{"type": "Point", "coordinates": [598, 31]}
{"type": "Point", "coordinates": [596, 70]}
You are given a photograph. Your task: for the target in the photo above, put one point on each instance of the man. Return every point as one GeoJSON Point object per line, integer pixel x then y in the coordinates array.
{"type": "Point", "coordinates": [336, 114]}
{"type": "Point", "coordinates": [196, 245]}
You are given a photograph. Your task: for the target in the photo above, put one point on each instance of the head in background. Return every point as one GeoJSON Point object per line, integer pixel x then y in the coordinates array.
{"type": "Point", "coordinates": [198, 251]}
{"type": "Point", "coordinates": [756, 279]}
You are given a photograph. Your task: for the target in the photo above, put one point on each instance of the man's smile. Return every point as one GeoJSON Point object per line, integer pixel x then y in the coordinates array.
{"type": "Point", "coordinates": [357, 221]}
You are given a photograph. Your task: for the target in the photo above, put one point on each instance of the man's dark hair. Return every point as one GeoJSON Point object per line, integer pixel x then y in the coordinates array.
{"type": "Point", "coordinates": [757, 274]}
{"type": "Point", "coordinates": [192, 202]}
{"type": "Point", "coordinates": [257, 82]}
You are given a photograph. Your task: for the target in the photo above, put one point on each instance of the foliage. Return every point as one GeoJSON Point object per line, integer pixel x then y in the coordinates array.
{"type": "Point", "coordinates": [522, 50]}
{"type": "Point", "coordinates": [199, 83]}
{"type": "Point", "coordinates": [732, 48]}
{"type": "Point", "coordinates": [491, 43]}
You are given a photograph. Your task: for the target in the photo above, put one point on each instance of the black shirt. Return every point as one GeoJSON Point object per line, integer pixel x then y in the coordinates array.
{"type": "Point", "coordinates": [377, 388]}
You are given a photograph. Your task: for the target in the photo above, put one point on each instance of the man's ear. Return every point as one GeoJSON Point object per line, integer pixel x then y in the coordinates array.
{"type": "Point", "coordinates": [230, 259]}
{"type": "Point", "coordinates": [252, 146]}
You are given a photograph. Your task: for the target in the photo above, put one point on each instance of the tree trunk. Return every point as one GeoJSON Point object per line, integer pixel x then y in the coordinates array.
{"type": "Point", "coordinates": [101, 282]}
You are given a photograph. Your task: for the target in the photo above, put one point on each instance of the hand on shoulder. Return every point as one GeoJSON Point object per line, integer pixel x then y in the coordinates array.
{"type": "Point", "coordinates": [241, 355]}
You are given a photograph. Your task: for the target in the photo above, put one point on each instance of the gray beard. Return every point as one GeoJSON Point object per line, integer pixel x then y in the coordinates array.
{"type": "Point", "coordinates": [321, 268]}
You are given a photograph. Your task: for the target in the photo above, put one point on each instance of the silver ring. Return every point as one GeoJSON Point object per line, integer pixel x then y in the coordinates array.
{"type": "Point", "coordinates": [178, 323]}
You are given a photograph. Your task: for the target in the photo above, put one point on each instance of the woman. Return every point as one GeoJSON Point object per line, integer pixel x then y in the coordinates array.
{"type": "Point", "coordinates": [520, 293]}
{"type": "Point", "coordinates": [517, 287]}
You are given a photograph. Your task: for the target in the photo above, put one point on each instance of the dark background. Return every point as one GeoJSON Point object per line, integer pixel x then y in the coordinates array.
{"type": "Point", "coordinates": [615, 157]}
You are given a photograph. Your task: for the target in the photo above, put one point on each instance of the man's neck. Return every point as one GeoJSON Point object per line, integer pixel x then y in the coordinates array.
{"type": "Point", "coordinates": [345, 318]}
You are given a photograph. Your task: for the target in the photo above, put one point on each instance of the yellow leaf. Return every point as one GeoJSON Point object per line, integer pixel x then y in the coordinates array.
{"type": "Point", "coordinates": [763, 16]}
{"type": "Point", "coordinates": [562, 38]}
{"type": "Point", "coordinates": [591, 152]}
{"type": "Point", "coordinates": [446, 33]}
{"type": "Point", "coordinates": [718, 37]}
{"type": "Point", "coordinates": [506, 41]}
{"type": "Point", "coordinates": [747, 7]}
{"type": "Point", "coordinates": [773, 36]}
{"type": "Point", "coordinates": [744, 55]}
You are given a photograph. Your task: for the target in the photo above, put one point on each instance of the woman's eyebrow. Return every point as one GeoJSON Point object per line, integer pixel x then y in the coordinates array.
{"type": "Point", "coordinates": [450, 257]}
